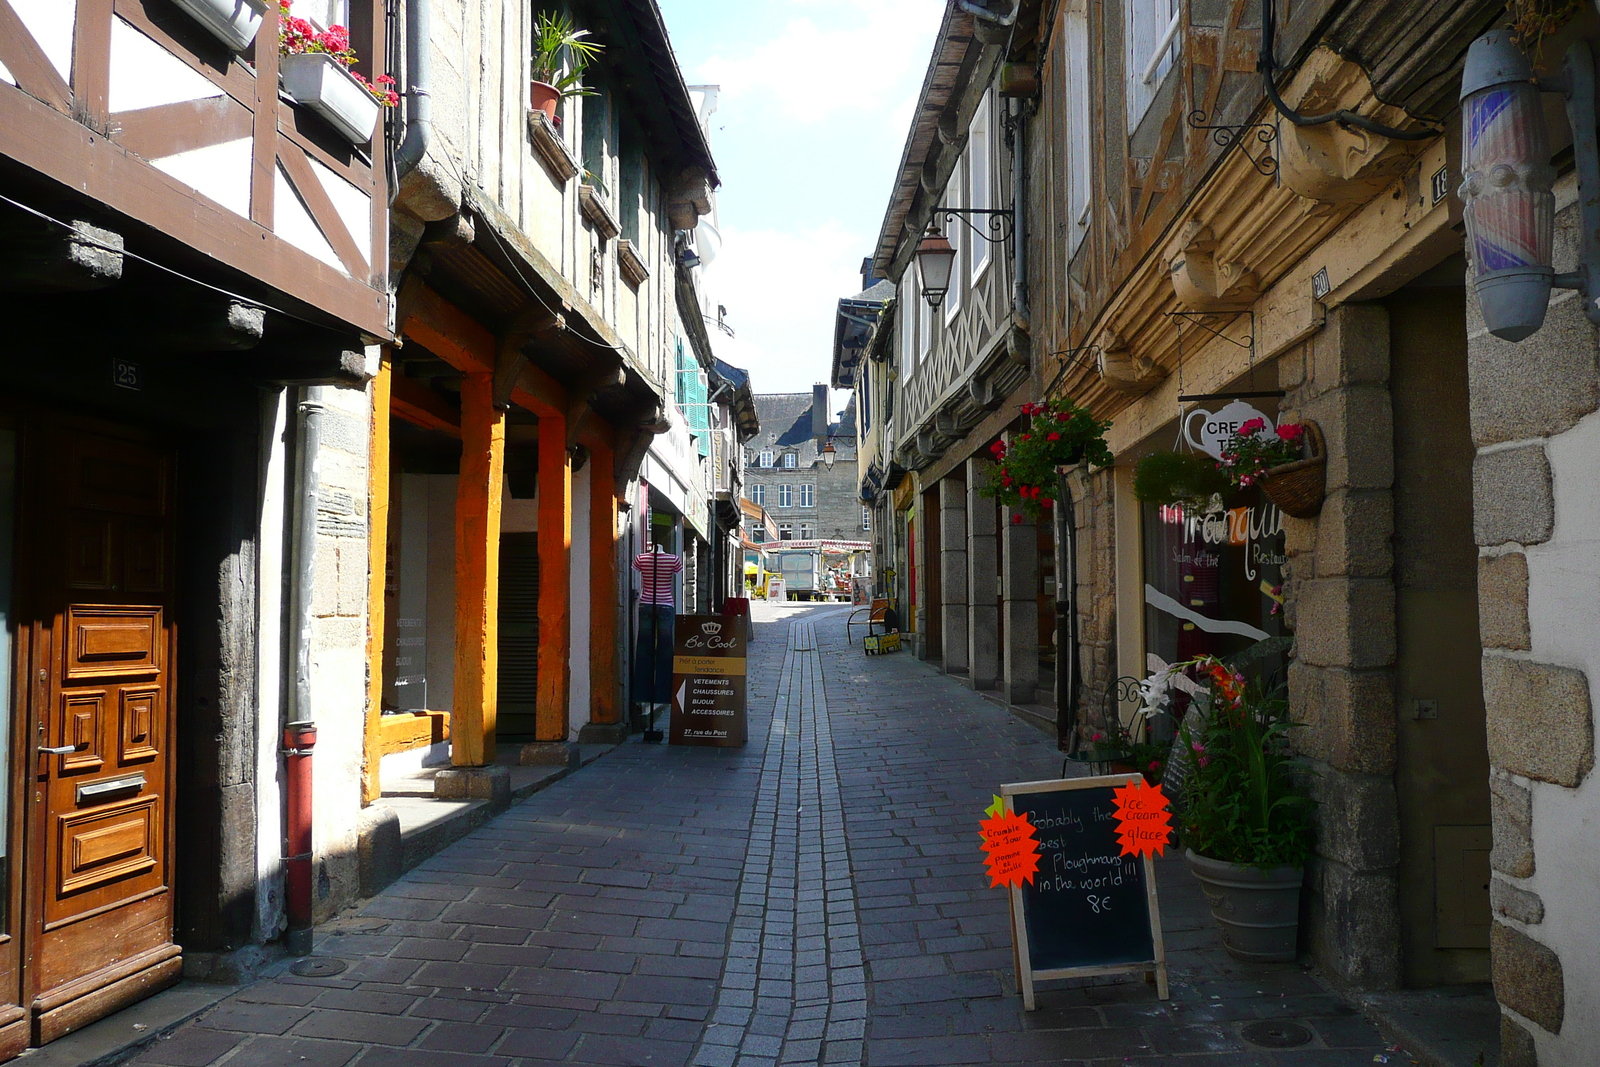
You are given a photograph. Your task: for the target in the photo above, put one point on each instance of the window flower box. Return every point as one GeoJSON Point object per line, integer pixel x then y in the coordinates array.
{"type": "Point", "coordinates": [319, 82]}
{"type": "Point", "coordinates": [233, 22]}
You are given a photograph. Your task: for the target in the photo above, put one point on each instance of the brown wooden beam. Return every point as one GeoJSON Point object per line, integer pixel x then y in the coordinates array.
{"type": "Point", "coordinates": [478, 489]}
{"type": "Point", "coordinates": [27, 62]}
{"type": "Point", "coordinates": [445, 330]}
{"type": "Point", "coordinates": [53, 144]}
{"type": "Point", "coordinates": [555, 577]}
{"type": "Point", "coordinates": [377, 578]}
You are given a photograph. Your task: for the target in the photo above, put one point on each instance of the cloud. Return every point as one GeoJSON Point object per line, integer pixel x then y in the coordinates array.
{"type": "Point", "coordinates": [835, 62]}
{"type": "Point", "coordinates": [780, 288]}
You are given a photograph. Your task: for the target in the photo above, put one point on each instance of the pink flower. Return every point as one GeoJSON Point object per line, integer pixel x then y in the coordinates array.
{"type": "Point", "coordinates": [1016, 520]}
{"type": "Point", "coordinates": [1251, 427]}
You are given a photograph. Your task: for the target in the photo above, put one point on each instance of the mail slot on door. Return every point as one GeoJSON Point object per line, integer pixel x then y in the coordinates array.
{"type": "Point", "coordinates": [127, 783]}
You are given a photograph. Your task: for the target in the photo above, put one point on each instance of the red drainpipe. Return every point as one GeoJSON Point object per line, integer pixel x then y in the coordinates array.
{"type": "Point", "coordinates": [299, 738]}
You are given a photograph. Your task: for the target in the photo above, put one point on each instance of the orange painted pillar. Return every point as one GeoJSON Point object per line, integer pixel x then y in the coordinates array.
{"type": "Point", "coordinates": [603, 674]}
{"type": "Point", "coordinates": [478, 491]}
{"type": "Point", "coordinates": [555, 576]}
{"type": "Point", "coordinates": [377, 573]}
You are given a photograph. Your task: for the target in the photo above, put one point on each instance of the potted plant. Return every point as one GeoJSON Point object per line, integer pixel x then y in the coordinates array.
{"type": "Point", "coordinates": [558, 44]}
{"type": "Point", "coordinates": [314, 68]}
{"type": "Point", "coordinates": [1186, 479]}
{"type": "Point", "coordinates": [1290, 463]}
{"type": "Point", "coordinates": [233, 22]}
{"type": "Point", "coordinates": [1026, 474]}
{"type": "Point", "coordinates": [1245, 818]}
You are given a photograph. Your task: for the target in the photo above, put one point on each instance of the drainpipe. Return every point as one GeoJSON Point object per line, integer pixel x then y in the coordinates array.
{"type": "Point", "coordinates": [419, 107]}
{"type": "Point", "coordinates": [1019, 216]}
{"type": "Point", "coordinates": [299, 732]}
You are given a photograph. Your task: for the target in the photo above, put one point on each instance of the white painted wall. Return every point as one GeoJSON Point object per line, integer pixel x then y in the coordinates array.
{"type": "Point", "coordinates": [1564, 618]}
{"type": "Point", "coordinates": [275, 483]}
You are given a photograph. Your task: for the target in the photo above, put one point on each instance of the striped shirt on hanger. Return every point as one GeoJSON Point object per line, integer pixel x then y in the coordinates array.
{"type": "Point", "coordinates": [657, 569]}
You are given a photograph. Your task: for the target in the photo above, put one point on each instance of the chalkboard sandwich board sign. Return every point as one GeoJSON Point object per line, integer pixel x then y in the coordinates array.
{"type": "Point", "coordinates": [1090, 909]}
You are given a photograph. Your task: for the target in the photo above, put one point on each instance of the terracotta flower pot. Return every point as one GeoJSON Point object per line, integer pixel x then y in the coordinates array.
{"type": "Point", "coordinates": [1258, 911]}
{"type": "Point", "coordinates": [542, 96]}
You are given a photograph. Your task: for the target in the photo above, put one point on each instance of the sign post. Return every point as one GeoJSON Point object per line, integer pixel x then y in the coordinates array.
{"type": "Point", "coordinates": [708, 681]}
{"type": "Point", "coordinates": [1090, 907]}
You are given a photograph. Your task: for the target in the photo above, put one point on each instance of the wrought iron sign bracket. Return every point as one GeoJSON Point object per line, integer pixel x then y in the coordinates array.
{"type": "Point", "coordinates": [1262, 134]}
{"type": "Point", "coordinates": [1083, 355]}
{"type": "Point", "coordinates": [999, 222]}
{"type": "Point", "coordinates": [1199, 317]}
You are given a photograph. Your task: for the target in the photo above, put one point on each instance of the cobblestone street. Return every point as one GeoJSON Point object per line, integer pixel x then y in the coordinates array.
{"type": "Point", "coordinates": [815, 897]}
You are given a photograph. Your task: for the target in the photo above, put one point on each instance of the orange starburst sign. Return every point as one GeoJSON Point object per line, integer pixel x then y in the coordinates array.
{"type": "Point", "coordinates": [1009, 841]}
{"type": "Point", "coordinates": [1144, 825]}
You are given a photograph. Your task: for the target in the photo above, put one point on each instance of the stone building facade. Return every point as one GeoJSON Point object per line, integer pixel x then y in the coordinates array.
{"type": "Point", "coordinates": [785, 473]}
{"type": "Point", "coordinates": [1196, 253]}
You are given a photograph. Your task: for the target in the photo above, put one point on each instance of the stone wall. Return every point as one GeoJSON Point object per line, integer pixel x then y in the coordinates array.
{"type": "Point", "coordinates": [1536, 504]}
{"type": "Point", "coordinates": [338, 652]}
{"type": "Point", "coordinates": [1095, 520]}
{"type": "Point", "coordinates": [1340, 604]}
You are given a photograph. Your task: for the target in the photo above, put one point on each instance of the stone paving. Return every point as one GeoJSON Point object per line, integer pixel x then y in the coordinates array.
{"type": "Point", "coordinates": [815, 897]}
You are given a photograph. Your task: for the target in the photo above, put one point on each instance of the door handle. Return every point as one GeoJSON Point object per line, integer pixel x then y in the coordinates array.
{"type": "Point", "coordinates": [59, 750]}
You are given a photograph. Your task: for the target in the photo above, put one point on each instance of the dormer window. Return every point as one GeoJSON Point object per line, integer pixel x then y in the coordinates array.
{"type": "Point", "coordinates": [791, 460]}
{"type": "Point", "coordinates": [765, 459]}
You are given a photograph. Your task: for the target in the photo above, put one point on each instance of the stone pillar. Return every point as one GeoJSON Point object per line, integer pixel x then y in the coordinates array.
{"type": "Point", "coordinates": [1340, 603]}
{"type": "Point", "coordinates": [983, 594]}
{"type": "Point", "coordinates": [1019, 586]}
{"type": "Point", "coordinates": [953, 561]}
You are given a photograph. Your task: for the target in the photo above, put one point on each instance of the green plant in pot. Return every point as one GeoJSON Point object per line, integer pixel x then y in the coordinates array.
{"type": "Point", "coordinates": [1245, 815]}
{"type": "Point", "coordinates": [1187, 479]}
{"type": "Point", "coordinates": [1025, 474]}
{"type": "Point", "coordinates": [561, 56]}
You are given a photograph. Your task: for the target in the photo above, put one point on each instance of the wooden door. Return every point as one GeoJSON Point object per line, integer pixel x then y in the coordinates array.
{"type": "Point", "coordinates": [100, 922]}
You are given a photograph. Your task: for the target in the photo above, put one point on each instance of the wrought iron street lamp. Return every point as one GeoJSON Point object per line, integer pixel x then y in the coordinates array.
{"type": "Point", "coordinates": [829, 454]}
{"type": "Point", "coordinates": [936, 259]}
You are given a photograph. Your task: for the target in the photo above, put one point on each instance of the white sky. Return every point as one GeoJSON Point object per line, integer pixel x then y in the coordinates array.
{"type": "Point", "coordinates": [817, 97]}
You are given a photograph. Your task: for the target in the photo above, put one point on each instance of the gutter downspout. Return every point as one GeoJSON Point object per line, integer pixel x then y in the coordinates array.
{"type": "Point", "coordinates": [1021, 317]}
{"type": "Point", "coordinates": [299, 732]}
{"type": "Point", "coordinates": [419, 106]}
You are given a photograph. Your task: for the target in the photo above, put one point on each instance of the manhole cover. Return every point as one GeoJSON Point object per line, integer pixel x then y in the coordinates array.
{"type": "Point", "coordinates": [318, 967]}
{"type": "Point", "coordinates": [1276, 1034]}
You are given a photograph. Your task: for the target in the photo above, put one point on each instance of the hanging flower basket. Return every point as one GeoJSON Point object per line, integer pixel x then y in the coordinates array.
{"type": "Point", "coordinates": [233, 22]}
{"type": "Point", "coordinates": [1298, 487]}
{"type": "Point", "coordinates": [1026, 474]}
{"type": "Point", "coordinates": [321, 83]}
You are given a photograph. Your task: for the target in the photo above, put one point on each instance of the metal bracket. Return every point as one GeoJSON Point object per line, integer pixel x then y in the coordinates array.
{"type": "Point", "coordinates": [1069, 358]}
{"type": "Point", "coordinates": [1576, 84]}
{"type": "Point", "coordinates": [1265, 133]}
{"type": "Point", "coordinates": [1000, 222]}
{"type": "Point", "coordinates": [1197, 318]}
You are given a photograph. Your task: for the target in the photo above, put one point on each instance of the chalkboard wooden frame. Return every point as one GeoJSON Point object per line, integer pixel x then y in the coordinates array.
{"type": "Point", "coordinates": [1026, 975]}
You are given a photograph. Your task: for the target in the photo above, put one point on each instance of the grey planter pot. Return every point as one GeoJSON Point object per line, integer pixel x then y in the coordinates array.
{"type": "Point", "coordinates": [317, 82]}
{"type": "Point", "coordinates": [233, 22]}
{"type": "Point", "coordinates": [1257, 911]}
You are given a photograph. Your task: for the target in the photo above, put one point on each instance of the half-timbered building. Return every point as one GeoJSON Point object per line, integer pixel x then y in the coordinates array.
{"type": "Point", "coordinates": [1247, 209]}
{"type": "Point", "coordinates": [193, 266]}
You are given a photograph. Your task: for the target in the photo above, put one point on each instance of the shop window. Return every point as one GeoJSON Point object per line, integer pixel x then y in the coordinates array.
{"type": "Point", "coordinates": [808, 495]}
{"type": "Point", "coordinates": [1213, 583]}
